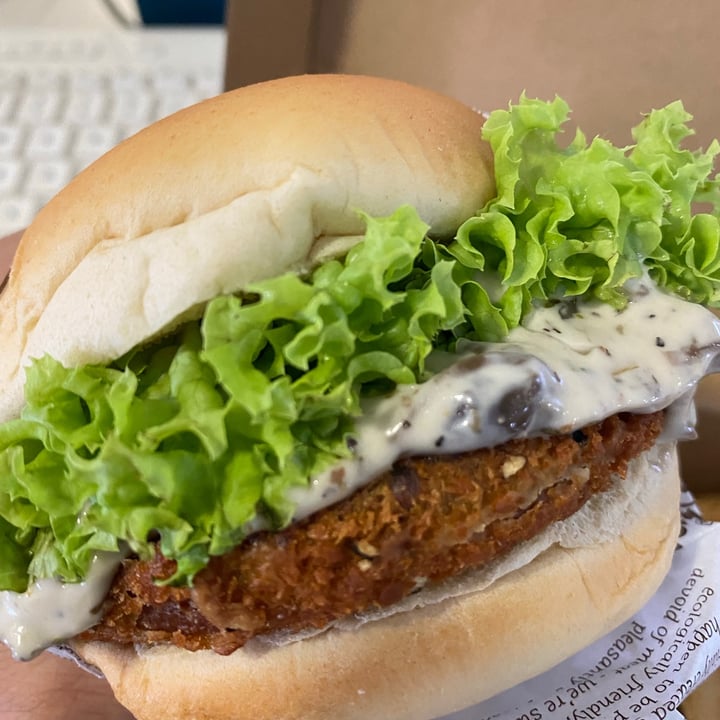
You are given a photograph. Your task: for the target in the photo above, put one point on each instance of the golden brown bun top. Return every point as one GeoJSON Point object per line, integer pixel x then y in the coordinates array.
{"type": "Point", "coordinates": [238, 188]}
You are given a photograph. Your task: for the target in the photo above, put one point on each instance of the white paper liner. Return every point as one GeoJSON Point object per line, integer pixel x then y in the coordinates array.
{"type": "Point", "coordinates": [649, 665]}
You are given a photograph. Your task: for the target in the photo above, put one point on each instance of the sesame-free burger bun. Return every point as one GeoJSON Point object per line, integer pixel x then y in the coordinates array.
{"type": "Point", "coordinates": [239, 188]}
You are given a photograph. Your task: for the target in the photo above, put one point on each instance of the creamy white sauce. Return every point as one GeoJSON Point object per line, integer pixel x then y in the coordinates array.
{"type": "Point", "coordinates": [50, 610]}
{"type": "Point", "coordinates": [565, 368]}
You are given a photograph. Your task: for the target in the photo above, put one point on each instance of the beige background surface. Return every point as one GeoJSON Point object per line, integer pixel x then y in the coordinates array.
{"type": "Point", "coordinates": [612, 60]}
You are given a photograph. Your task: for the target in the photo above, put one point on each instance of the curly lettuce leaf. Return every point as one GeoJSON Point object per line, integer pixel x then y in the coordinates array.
{"type": "Point", "coordinates": [581, 219]}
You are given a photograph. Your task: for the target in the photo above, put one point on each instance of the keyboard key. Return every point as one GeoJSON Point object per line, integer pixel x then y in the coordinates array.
{"type": "Point", "coordinates": [131, 107]}
{"type": "Point", "coordinates": [10, 176]}
{"type": "Point", "coordinates": [11, 78]}
{"type": "Point", "coordinates": [8, 103]}
{"type": "Point", "coordinates": [85, 107]}
{"type": "Point", "coordinates": [46, 177]}
{"type": "Point", "coordinates": [169, 80]}
{"type": "Point", "coordinates": [84, 80]}
{"type": "Point", "coordinates": [47, 141]}
{"type": "Point", "coordinates": [39, 106]}
{"type": "Point", "coordinates": [51, 78]}
{"type": "Point", "coordinates": [16, 212]}
{"type": "Point", "coordinates": [93, 141]}
{"type": "Point", "coordinates": [11, 139]}
{"type": "Point", "coordinates": [129, 79]}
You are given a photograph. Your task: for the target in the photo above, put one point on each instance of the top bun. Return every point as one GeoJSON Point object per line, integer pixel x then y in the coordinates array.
{"type": "Point", "coordinates": [245, 186]}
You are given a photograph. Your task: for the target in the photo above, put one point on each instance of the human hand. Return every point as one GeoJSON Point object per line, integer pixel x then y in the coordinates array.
{"type": "Point", "coordinates": [52, 688]}
{"type": "Point", "coordinates": [8, 245]}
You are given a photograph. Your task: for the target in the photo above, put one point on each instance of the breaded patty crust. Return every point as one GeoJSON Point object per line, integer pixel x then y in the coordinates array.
{"type": "Point", "coordinates": [425, 520]}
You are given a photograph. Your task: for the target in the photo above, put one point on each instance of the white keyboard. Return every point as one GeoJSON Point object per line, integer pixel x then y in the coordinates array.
{"type": "Point", "coordinates": [68, 96]}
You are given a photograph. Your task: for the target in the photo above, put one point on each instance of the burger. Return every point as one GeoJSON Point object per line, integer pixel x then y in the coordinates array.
{"type": "Point", "coordinates": [332, 397]}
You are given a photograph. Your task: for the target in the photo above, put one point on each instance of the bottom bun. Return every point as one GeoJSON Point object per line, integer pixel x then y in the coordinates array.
{"type": "Point", "coordinates": [443, 656]}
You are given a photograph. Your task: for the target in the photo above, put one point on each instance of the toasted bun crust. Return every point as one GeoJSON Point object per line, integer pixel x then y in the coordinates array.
{"type": "Point", "coordinates": [241, 187]}
{"type": "Point", "coordinates": [440, 658]}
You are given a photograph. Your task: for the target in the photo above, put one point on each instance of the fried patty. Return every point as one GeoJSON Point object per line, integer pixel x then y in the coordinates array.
{"type": "Point", "coordinates": [425, 520]}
